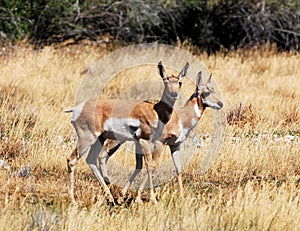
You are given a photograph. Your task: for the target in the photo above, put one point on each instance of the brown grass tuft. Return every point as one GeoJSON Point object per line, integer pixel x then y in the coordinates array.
{"type": "Point", "coordinates": [242, 115]}
{"type": "Point", "coordinates": [292, 115]}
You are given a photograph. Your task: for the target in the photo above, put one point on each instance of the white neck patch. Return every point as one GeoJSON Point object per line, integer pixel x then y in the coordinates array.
{"type": "Point", "coordinates": [194, 122]}
{"type": "Point", "coordinates": [197, 110]}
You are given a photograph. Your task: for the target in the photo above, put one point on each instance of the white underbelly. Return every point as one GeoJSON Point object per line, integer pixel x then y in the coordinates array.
{"type": "Point", "coordinates": [123, 128]}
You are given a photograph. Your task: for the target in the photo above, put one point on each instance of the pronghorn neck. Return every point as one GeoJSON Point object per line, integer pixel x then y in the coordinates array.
{"type": "Point", "coordinates": [196, 103]}
{"type": "Point", "coordinates": [201, 105]}
{"type": "Point", "coordinates": [164, 110]}
{"type": "Point", "coordinates": [167, 99]}
{"type": "Point", "coordinates": [191, 114]}
{"type": "Point", "coordinates": [164, 107]}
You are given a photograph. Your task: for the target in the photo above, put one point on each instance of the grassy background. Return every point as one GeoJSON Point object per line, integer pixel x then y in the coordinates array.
{"type": "Point", "coordinates": [254, 183]}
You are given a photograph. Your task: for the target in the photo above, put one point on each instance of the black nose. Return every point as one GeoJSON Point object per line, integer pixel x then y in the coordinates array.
{"type": "Point", "coordinates": [174, 96]}
{"type": "Point", "coordinates": [220, 104]}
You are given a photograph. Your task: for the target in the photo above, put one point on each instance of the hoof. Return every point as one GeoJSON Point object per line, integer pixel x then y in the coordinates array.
{"type": "Point", "coordinates": [106, 180]}
{"type": "Point", "coordinates": [153, 200]}
{"type": "Point", "coordinates": [73, 201]}
{"type": "Point", "coordinates": [139, 201]}
{"type": "Point", "coordinates": [111, 199]}
{"type": "Point", "coordinates": [120, 200]}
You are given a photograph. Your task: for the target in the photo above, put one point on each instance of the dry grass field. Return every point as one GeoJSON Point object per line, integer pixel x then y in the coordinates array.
{"type": "Point", "coordinates": [254, 183]}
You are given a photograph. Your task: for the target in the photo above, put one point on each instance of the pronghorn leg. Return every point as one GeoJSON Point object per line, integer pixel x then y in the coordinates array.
{"type": "Point", "coordinates": [147, 158]}
{"type": "Point", "coordinates": [138, 199]}
{"type": "Point", "coordinates": [91, 160]}
{"type": "Point", "coordinates": [155, 159]}
{"type": "Point", "coordinates": [71, 163]}
{"type": "Point", "coordinates": [146, 149]}
{"type": "Point", "coordinates": [138, 167]}
{"type": "Point", "coordinates": [175, 151]}
{"type": "Point", "coordinates": [109, 148]}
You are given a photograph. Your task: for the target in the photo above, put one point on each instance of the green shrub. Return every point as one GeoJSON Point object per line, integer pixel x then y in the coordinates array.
{"type": "Point", "coordinates": [208, 24]}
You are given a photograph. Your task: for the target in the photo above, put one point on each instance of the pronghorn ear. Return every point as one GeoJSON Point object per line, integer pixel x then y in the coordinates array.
{"type": "Point", "coordinates": [209, 78]}
{"type": "Point", "coordinates": [199, 78]}
{"type": "Point", "coordinates": [199, 81]}
{"type": "Point", "coordinates": [183, 72]}
{"type": "Point", "coordinates": [161, 71]}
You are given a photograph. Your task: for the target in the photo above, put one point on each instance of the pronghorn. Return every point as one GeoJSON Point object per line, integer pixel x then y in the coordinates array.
{"type": "Point", "coordinates": [174, 133]}
{"type": "Point", "coordinates": [123, 120]}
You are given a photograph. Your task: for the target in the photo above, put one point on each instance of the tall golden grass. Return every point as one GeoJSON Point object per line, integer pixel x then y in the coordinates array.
{"type": "Point", "coordinates": [253, 184]}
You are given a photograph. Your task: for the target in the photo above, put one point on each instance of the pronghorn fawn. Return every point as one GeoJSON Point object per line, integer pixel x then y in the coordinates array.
{"type": "Point", "coordinates": [123, 120]}
{"type": "Point", "coordinates": [175, 132]}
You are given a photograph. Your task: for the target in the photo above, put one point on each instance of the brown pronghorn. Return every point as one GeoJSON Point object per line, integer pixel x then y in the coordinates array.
{"type": "Point", "coordinates": [123, 120]}
{"type": "Point", "coordinates": [174, 133]}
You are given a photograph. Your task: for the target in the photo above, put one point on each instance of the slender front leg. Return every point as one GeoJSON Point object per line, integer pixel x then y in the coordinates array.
{"type": "Point", "coordinates": [91, 160]}
{"type": "Point", "coordinates": [155, 161]}
{"type": "Point", "coordinates": [138, 167]}
{"type": "Point", "coordinates": [146, 149]}
{"type": "Point", "coordinates": [147, 158]}
{"type": "Point", "coordinates": [175, 151]}
{"type": "Point", "coordinates": [71, 163]}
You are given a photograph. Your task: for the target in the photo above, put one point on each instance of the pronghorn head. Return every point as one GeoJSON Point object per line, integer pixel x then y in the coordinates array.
{"type": "Point", "coordinates": [172, 83]}
{"type": "Point", "coordinates": [206, 93]}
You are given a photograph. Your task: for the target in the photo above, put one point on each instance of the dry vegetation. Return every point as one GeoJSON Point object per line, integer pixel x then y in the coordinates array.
{"type": "Point", "coordinates": [253, 185]}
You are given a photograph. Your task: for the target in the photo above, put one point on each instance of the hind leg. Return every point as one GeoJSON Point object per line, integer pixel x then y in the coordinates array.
{"type": "Point", "coordinates": [138, 168]}
{"type": "Point", "coordinates": [71, 163]}
{"type": "Point", "coordinates": [109, 148]}
{"type": "Point", "coordinates": [91, 160]}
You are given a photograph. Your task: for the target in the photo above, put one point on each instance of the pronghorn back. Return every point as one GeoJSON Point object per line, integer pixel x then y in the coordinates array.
{"type": "Point", "coordinates": [114, 119]}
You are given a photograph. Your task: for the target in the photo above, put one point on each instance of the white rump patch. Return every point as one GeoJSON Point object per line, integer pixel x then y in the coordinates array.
{"type": "Point", "coordinates": [77, 111]}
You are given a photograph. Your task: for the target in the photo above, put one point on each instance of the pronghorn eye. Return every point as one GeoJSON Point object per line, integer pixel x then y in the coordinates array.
{"type": "Point", "coordinates": [180, 83]}
{"type": "Point", "coordinates": [212, 89]}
